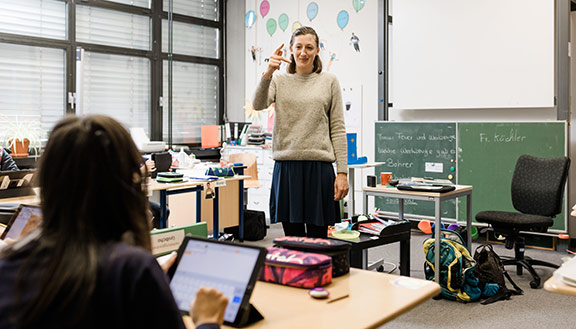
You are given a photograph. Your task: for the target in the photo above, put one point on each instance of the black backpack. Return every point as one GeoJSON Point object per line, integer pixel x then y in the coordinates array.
{"type": "Point", "coordinates": [489, 269]}
{"type": "Point", "coordinates": [254, 226]}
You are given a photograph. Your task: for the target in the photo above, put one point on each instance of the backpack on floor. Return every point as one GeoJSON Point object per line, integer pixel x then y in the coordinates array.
{"type": "Point", "coordinates": [456, 269]}
{"type": "Point", "coordinates": [491, 272]}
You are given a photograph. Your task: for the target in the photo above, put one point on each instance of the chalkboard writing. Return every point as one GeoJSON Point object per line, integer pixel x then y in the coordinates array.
{"type": "Point", "coordinates": [416, 149]}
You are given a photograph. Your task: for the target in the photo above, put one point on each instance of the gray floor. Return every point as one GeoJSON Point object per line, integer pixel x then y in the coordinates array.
{"type": "Point", "coordinates": [537, 308]}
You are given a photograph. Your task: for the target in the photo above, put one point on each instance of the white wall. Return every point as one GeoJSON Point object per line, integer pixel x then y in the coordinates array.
{"type": "Point", "coordinates": [352, 68]}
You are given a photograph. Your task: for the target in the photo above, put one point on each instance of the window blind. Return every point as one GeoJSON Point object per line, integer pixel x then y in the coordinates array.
{"type": "Point", "coordinates": [37, 18]}
{"type": "Point", "coordinates": [207, 9]}
{"type": "Point", "coordinates": [194, 40]}
{"type": "Point", "coordinates": [115, 85]}
{"type": "Point", "coordinates": [32, 85]}
{"type": "Point", "coordinates": [194, 100]}
{"type": "Point", "coordinates": [112, 28]}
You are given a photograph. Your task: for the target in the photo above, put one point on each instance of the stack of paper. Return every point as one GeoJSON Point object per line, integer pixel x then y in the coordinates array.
{"type": "Point", "coordinates": [567, 273]}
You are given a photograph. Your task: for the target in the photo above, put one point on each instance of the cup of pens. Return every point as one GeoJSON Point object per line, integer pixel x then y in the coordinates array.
{"type": "Point", "coordinates": [385, 178]}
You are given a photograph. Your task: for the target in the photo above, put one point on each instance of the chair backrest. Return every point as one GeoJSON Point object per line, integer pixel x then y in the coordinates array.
{"type": "Point", "coordinates": [249, 160]}
{"type": "Point", "coordinates": [538, 185]}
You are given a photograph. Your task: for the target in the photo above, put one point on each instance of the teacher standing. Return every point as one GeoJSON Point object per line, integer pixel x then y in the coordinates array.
{"type": "Point", "coordinates": [309, 135]}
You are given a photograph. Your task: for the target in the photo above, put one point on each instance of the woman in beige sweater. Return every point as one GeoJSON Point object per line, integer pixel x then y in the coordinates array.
{"type": "Point", "coordinates": [309, 135]}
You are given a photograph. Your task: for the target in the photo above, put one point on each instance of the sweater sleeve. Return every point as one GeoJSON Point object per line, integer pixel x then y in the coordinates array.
{"type": "Point", "coordinates": [6, 162]}
{"type": "Point", "coordinates": [265, 94]}
{"type": "Point", "coordinates": [338, 129]}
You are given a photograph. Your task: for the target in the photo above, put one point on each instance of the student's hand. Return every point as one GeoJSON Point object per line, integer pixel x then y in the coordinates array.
{"type": "Point", "coordinates": [166, 265]}
{"type": "Point", "coordinates": [340, 186]}
{"type": "Point", "coordinates": [274, 62]}
{"type": "Point", "coordinates": [151, 165]}
{"type": "Point", "coordinates": [208, 306]}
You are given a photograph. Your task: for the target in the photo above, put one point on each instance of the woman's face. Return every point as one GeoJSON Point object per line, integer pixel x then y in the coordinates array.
{"type": "Point", "coordinates": [304, 51]}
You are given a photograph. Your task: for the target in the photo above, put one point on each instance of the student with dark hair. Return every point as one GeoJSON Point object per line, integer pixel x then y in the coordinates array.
{"type": "Point", "coordinates": [309, 135]}
{"type": "Point", "coordinates": [6, 161]}
{"type": "Point", "coordinates": [89, 264]}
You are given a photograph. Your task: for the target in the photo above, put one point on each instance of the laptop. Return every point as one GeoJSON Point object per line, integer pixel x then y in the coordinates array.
{"type": "Point", "coordinates": [25, 220]}
{"type": "Point", "coordinates": [228, 267]}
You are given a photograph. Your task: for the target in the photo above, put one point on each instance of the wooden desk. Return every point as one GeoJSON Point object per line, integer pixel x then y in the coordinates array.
{"type": "Point", "coordinates": [553, 285]}
{"type": "Point", "coordinates": [392, 192]}
{"type": "Point", "coordinates": [211, 216]}
{"type": "Point", "coordinates": [374, 299]}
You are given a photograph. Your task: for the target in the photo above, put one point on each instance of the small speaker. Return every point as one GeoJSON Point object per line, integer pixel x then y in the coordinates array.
{"type": "Point", "coordinates": [371, 181]}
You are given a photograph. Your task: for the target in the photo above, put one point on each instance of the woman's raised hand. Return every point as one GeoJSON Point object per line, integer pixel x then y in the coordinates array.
{"type": "Point", "coordinates": [274, 62]}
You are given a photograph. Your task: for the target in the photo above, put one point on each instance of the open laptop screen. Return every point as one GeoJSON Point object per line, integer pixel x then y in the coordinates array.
{"type": "Point", "coordinates": [230, 268]}
{"type": "Point", "coordinates": [25, 219]}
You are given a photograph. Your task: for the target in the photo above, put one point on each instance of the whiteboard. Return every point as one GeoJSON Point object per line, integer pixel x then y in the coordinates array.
{"type": "Point", "coordinates": [457, 54]}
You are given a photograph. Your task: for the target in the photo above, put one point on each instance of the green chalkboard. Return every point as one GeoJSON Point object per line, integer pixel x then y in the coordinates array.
{"type": "Point", "coordinates": [487, 154]}
{"type": "Point", "coordinates": [416, 149]}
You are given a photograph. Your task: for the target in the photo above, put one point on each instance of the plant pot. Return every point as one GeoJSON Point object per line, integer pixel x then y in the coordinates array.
{"type": "Point", "coordinates": [19, 147]}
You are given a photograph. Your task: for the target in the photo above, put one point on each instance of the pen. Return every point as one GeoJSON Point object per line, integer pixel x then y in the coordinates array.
{"type": "Point", "coordinates": [337, 298]}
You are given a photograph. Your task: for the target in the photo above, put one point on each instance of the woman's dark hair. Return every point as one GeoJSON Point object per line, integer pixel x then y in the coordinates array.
{"type": "Point", "coordinates": [317, 68]}
{"type": "Point", "coordinates": [92, 194]}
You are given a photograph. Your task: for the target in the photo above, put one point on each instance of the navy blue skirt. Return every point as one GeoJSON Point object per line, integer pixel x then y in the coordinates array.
{"type": "Point", "coordinates": [303, 192]}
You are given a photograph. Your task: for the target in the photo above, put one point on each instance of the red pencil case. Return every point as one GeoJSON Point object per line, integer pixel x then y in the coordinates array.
{"type": "Point", "coordinates": [296, 268]}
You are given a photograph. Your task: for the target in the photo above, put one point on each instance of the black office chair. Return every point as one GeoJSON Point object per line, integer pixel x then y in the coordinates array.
{"type": "Point", "coordinates": [537, 192]}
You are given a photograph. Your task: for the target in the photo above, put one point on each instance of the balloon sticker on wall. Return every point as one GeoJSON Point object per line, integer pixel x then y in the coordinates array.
{"type": "Point", "coordinates": [271, 26]}
{"type": "Point", "coordinates": [312, 10]}
{"type": "Point", "coordinates": [358, 4]}
{"type": "Point", "coordinates": [342, 19]}
{"type": "Point", "coordinates": [264, 8]}
{"type": "Point", "coordinates": [296, 26]}
{"type": "Point", "coordinates": [283, 21]}
{"type": "Point", "coordinates": [250, 18]}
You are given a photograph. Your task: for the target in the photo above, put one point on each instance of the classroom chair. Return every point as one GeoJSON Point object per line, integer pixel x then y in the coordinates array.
{"type": "Point", "coordinates": [249, 160]}
{"type": "Point", "coordinates": [537, 194]}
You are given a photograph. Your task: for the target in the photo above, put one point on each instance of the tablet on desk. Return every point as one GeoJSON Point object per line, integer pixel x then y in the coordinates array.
{"type": "Point", "coordinates": [228, 267]}
{"type": "Point", "coordinates": [26, 219]}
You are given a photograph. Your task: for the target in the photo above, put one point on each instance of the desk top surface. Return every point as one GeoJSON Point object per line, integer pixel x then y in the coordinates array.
{"type": "Point", "coordinates": [554, 285]}
{"type": "Point", "coordinates": [155, 186]}
{"type": "Point", "coordinates": [374, 298]}
{"type": "Point", "coordinates": [392, 190]}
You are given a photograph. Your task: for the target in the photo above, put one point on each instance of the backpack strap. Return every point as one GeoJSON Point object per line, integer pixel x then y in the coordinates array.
{"type": "Point", "coordinates": [517, 290]}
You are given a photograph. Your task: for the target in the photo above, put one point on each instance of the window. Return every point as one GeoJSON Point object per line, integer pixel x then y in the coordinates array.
{"type": "Point", "coordinates": [104, 60]}
{"type": "Point", "coordinates": [117, 86]}
{"type": "Point", "coordinates": [108, 27]}
{"type": "Point", "coordinates": [32, 85]}
{"type": "Point", "coordinates": [194, 100]}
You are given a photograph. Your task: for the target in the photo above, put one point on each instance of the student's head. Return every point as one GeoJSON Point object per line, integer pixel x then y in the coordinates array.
{"type": "Point", "coordinates": [304, 49]}
{"type": "Point", "coordinates": [91, 183]}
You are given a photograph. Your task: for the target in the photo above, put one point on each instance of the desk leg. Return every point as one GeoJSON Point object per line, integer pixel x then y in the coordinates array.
{"type": "Point", "coordinates": [357, 259]}
{"type": "Point", "coordinates": [400, 209]}
{"type": "Point", "coordinates": [241, 210]}
{"type": "Point", "coordinates": [405, 257]}
{"type": "Point", "coordinates": [365, 199]}
{"type": "Point", "coordinates": [215, 229]}
{"type": "Point", "coordinates": [163, 213]}
{"type": "Point", "coordinates": [469, 220]}
{"type": "Point", "coordinates": [199, 205]}
{"type": "Point", "coordinates": [437, 222]}
{"type": "Point", "coordinates": [351, 177]}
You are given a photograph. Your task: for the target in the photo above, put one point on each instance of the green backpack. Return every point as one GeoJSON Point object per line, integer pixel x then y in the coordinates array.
{"type": "Point", "coordinates": [457, 277]}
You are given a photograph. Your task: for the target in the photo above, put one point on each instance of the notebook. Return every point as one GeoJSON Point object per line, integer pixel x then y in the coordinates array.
{"type": "Point", "coordinates": [228, 267]}
{"type": "Point", "coordinates": [25, 219]}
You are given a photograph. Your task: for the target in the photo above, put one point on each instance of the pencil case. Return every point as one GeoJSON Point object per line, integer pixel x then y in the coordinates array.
{"type": "Point", "coordinates": [220, 172]}
{"type": "Point", "coordinates": [296, 268]}
{"type": "Point", "coordinates": [338, 250]}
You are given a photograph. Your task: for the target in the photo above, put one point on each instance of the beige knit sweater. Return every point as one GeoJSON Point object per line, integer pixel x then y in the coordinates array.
{"type": "Point", "coordinates": [308, 120]}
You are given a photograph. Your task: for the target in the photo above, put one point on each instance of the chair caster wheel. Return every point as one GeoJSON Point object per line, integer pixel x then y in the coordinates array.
{"type": "Point", "coordinates": [535, 284]}
{"type": "Point", "coordinates": [380, 268]}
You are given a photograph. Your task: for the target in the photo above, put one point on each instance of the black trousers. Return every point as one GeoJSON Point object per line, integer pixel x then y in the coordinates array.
{"type": "Point", "coordinates": [307, 230]}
